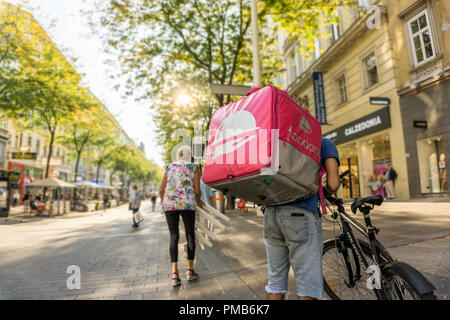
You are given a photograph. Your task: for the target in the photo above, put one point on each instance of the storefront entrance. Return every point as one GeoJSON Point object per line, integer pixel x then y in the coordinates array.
{"type": "Point", "coordinates": [349, 161]}
{"type": "Point", "coordinates": [432, 165]}
{"type": "Point", "coordinates": [375, 158]}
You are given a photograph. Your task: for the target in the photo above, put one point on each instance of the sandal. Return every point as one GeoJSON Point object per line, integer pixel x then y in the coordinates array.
{"type": "Point", "coordinates": [192, 276]}
{"type": "Point", "coordinates": [176, 281]}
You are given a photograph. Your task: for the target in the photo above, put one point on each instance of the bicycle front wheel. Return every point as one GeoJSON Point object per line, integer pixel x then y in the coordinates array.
{"type": "Point", "coordinates": [336, 272]}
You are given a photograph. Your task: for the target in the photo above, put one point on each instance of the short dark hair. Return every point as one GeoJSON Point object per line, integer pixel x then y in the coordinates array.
{"type": "Point", "coordinates": [135, 187]}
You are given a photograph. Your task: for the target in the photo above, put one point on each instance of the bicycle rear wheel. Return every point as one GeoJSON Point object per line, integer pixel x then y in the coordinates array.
{"type": "Point", "coordinates": [400, 288]}
{"type": "Point", "coordinates": [336, 274]}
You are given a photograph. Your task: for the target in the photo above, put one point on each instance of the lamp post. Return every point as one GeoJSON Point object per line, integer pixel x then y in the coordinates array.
{"type": "Point", "coordinates": [255, 37]}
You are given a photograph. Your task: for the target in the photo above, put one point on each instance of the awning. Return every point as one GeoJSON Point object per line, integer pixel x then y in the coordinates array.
{"type": "Point", "coordinates": [85, 184]}
{"type": "Point", "coordinates": [51, 182]}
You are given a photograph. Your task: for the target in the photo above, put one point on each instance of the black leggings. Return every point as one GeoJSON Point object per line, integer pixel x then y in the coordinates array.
{"type": "Point", "coordinates": [173, 220]}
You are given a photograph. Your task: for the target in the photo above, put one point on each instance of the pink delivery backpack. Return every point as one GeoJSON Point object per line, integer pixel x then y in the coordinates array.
{"type": "Point", "coordinates": [264, 148]}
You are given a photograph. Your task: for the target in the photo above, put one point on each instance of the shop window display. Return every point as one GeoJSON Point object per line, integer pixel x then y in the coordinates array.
{"type": "Point", "coordinates": [432, 165]}
{"type": "Point", "coordinates": [349, 161]}
{"type": "Point", "coordinates": [375, 158]}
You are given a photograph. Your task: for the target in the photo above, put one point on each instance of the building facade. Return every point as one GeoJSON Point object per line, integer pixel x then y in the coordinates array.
{"type": "Point", "coordinates": [347, 71]}
{"type": "Point", "coordinates": [15, 139]}
{"type": "Point", "coordinates": [420, 33]}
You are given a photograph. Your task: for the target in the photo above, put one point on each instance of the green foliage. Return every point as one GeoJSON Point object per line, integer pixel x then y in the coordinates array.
{"type": "Point", "coordinates": [42, 91]}
{"type": "Point", "coordinates": [166, 45]}
{"type": "Point", "coordinates": [302, 21]}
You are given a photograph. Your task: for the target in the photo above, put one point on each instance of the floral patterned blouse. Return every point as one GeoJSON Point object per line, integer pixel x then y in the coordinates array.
{"type": "Point", "coordinates": [179, 193]}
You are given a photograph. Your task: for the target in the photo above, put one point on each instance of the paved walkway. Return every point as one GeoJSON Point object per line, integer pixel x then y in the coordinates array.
{"type": "Point", "coordinates": [118, 262]}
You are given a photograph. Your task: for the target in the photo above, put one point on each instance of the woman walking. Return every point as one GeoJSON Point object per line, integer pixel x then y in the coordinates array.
{"type": "Point", "coordinates": [180, 193]}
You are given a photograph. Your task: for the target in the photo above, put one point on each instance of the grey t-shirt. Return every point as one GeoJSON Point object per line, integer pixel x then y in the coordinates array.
{"type": "Point", "coordinates": [135, 195]}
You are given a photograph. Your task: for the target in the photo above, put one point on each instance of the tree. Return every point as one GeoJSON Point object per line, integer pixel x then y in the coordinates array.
{"type": "Point", "coordinates": [207, 40]}
{"type": "Point", "coordinates": [303, 21]}
{"type": "Point", "coordinates": [80, 131]}
{"type": "Point", "coordinates": [119, 160]}
{"type": "Point", "coordinates": [155, 37]}
{"type": "Point", "coordinates": [37, 83]}
{"type": "Point", "coordinates": [158, 41]}
{"type": "Point", "coordinates": [102, 149]}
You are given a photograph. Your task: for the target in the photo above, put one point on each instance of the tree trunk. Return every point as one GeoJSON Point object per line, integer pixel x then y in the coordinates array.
{"type": "Point", "coordinates": [98, 171]}
{"type": "Point", "coordinates": [50, 152]}
{"type": "Point", "coordinates": [111, 178]}
{"type": "Point", "coordinates": [77, 164]}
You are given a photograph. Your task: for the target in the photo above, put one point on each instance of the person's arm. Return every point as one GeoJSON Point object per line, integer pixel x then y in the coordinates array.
{"type": "Point", "coordinates": [332, 171]}
{"type": "Point", "coordinates": [162, 188]}
{"type": "Point", "coordinates": [197, 190]}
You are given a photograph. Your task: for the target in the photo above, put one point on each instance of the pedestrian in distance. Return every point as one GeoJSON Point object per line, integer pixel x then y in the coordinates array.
{"type": "Point", "coordinates": [16, 198]}
{"type": "Point", "coordinates": [180, 194]}
{"type": "Point", "coordinates": [105, 202]}
{"type": "Point", "coordinates": [293, 237]}
{"type": "Point", "coordinates": [242, 205]}
{"type": "Point", "coordinates": [389, 181]}
{"type": "Point", "coordinates": [135, 203]}
{"type": "Point", "coordinates": [153, 198]}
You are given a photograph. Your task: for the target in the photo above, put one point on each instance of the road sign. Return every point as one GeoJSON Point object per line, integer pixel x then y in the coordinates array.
{"type": "Point", "coordinates": [229, 89]}
{"type": "Point", "coordinates": [24, 155]}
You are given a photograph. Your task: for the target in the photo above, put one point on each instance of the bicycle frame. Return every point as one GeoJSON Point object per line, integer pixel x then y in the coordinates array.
{"type": "Point", "coordinates": [369, 232]}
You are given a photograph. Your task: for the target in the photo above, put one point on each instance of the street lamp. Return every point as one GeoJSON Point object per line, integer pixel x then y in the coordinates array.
{"type": "Point", "coordinates": [255, 38]}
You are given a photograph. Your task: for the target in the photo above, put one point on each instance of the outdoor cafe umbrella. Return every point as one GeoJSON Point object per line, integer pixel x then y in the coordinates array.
{"type": "Point", "coordinates": [52, 183]}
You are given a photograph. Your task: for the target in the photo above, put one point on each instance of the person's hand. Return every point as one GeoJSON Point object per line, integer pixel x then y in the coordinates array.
{"type": "Point", "coordinates": [326, 193]}
{"type": "Point", "coordinates": [200, 203]}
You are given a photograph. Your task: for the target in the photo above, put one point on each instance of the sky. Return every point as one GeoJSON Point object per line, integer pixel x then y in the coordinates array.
{"type": "Point", "coordinates": [65, 23]}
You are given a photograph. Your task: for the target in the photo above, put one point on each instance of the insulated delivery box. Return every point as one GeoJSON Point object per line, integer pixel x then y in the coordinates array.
{"type": "Point", "coordinates": [264, 148]}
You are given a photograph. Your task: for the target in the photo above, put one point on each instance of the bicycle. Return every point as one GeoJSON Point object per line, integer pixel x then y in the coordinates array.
{"type": "Point", "coordinates": [349, 258]}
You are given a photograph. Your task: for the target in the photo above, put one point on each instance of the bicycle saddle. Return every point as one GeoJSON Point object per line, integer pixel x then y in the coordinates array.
{"type": "Point", "coordinates": [374, 200]}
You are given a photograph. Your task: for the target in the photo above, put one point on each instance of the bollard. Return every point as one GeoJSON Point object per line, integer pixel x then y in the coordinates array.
{"type": "Point", "coordinates": [220, 201]}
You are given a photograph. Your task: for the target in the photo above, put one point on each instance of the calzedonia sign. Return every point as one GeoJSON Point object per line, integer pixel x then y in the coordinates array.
{"type": "Point", "coordinates": [371, 123]}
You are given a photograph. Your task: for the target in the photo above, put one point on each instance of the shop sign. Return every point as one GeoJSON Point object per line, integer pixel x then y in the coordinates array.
{"type": "Point", "coordinates": [319, 97]}
{"type": "Point", "coordinates": [420, 124]}
{"type": "Point", "coordinates": [24, 155]}
{"type": "Point", "coordinates": [369, 124]}
{"type": "Point", "coordinates": [14, 177]}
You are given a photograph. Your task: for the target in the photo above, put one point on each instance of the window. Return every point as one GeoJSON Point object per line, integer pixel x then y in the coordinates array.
{"type": "Point", "coordinates": [2, 151]}
{"type": "Point", "coordinates": [432, 165]}
{"type": "Point", "coordinates": [421, 38]}
{"type": "Point", "coordinates": [370, 70]}
{"type": "Point", "coordinates": [5, 124]}
{"type": "Point", "coordinates": [30, 142]}
{"type": "Point", "coordinates": [316, 49]}
{"type": "Point", "coordinates": [45, 151]}
{"type": "Point", "coordinates": [17, 141]}
{"type": "Point", "coordinates": [38, 146]}
{"type": "Point", "coordinates": [342, 89]}
{"type": "Point", "coordinates": [335, 32]}
{"type": "Point", "coordinates": [292, 66]}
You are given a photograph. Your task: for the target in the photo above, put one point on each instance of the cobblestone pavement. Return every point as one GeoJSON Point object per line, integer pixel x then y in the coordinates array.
{"type": "Point", "coordinates": [118, 262]}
